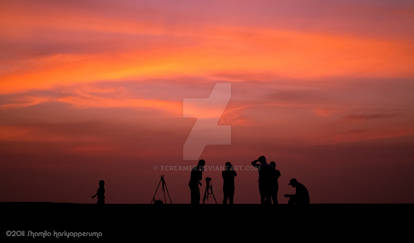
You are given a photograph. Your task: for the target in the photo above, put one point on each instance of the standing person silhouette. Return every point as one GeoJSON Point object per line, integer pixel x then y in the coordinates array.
{"type": "Point", "coordinates": [265, 179]}
{"type": "Point", "coordinates": [100, 193]}
{"type": "Point", "coordinates": [195, 182]}
{"type": "Point", "coordinates": [302, 195]}
{"type": "Point", "coordinates": [228, 183]}
{"type": "Point", "coordinates": [275, 183]}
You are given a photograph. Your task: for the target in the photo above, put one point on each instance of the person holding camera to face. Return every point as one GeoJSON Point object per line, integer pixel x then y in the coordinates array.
{"type": "Point", "coordinates": [195, 182]}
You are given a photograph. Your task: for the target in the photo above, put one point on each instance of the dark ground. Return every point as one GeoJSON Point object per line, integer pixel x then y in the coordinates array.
{"type": "Point", "coordinates": [206, 221]}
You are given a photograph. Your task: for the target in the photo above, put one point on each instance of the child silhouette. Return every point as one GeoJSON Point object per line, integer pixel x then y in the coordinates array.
{"type": "Point", "coordinates": [100, 193]}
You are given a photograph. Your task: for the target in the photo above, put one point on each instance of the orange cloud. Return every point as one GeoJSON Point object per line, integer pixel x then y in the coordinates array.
{"type": "Point", "coordinates": [372, 134]}
{"type": "Point", "coordinates": [100, 102]}
{"type": "Point", "coordinates": [92, 101]}
{"type": "Point", "coordinates": [32, 134]}
{"type": "Point", "coordinates": [26, 102]}
{"type": "Point", "coordinates": [210, 50]}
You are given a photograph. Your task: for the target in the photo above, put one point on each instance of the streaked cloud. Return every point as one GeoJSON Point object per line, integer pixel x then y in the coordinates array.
{"type": "Point", "coordinates": [97, 46]}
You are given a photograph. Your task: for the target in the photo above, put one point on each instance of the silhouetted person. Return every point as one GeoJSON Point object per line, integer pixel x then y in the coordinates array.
{"type": "Point", "coordinates": [265, 179]}
{"type": "Point", "coordinates": [100, 193]}
{"type": "Point", "coordinates": [275, 183]}
{"type": "Point", "coordinates": [302, 195]}
{"type": "Point", "coordinates": [195, 182]}
{"type": "Point", "coordinates": [228, 183]}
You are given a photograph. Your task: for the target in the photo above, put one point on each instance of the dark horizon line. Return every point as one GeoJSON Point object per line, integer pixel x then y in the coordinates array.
{"type": "Point", "coordinates": [188, 204]}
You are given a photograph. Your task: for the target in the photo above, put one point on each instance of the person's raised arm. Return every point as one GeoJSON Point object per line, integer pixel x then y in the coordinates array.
{"type": "Point", "coordinates": [254, 164]}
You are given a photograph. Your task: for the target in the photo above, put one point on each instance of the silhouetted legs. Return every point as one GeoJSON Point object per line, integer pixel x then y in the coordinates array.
{"type": "Point", "coordinates": [195, 194]}
{"type": "Point", "coordinates": [275, 190]}
{"type": "Point", "coordinates": [265, 194]}
{"type": "Point", "coordinates": [101, 201]}
{"type": "Point", "coordinates": [262, 192]}
{"type": "Point", "coordinates": [228, 195]}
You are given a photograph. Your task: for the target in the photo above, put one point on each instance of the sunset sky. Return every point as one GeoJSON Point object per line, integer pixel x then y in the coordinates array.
{"type": "Point", "coordinates": [94, 89]}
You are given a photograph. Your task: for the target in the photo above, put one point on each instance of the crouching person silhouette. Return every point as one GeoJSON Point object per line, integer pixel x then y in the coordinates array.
{"type": "Point", "coordinates": [302, 195]}
{"type": "Point", "coordinates": [100, 193]}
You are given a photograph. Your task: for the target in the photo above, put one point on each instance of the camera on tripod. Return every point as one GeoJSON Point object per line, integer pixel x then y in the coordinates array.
{"type": "Point", "coordinates": [165, 193]}
{"type": "Point", "coordinates": [208, 193]}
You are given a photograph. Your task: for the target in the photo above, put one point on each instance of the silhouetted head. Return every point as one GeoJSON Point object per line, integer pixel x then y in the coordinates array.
{"type": "Point", "coordinates": [208, 179]}
{"type": "Point", "coordinates": [262, 159]}
{"type": "Point", "coordinates": [201, 162]}
{"type": "Point", "coordinates": [293, 182]}
{"type": "Point", "coordinates": [101, 183]}
{"type": "Point", "coordinates": [228, 165]}
{"type": "Point", "coordinates": [273, 164]}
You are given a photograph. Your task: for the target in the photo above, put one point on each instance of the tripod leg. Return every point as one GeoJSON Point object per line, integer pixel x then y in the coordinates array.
{"type": "Point", "coordinates": [168, 193]}
{"type": "Point", "coordinates": [212, 193]}
{"type": "Point", "coordinates": [208, 194]}
{"type": "Point", "coordinates": [205, 195]}
{"type": "Point", "coordinates": [156, 190]}
{"type": "Point", "coordinates": [163, 192]}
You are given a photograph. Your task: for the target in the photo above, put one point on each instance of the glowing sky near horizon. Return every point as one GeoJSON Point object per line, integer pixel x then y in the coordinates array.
{"type": "Point", "coordinates": [93, 89]}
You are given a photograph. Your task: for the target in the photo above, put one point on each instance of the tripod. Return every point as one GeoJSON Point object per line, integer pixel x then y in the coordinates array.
{"type": "Point", "coordinates": [208, 193]}
{"type": "Point", "coordinates": [164, 192]}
